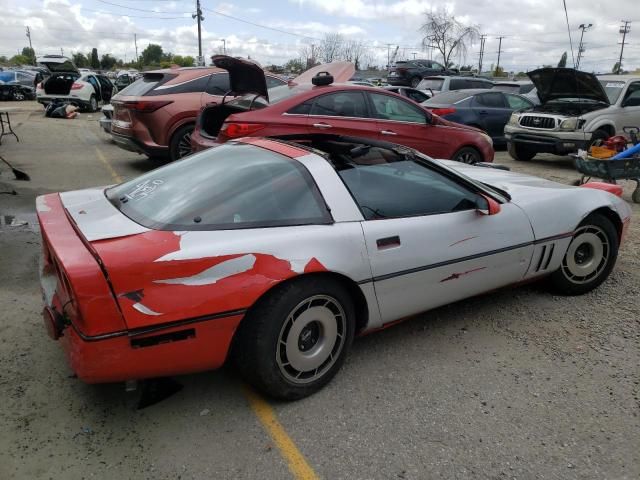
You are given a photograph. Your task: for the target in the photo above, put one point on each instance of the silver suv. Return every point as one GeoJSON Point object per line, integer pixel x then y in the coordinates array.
{"type": "Point", "coordinates": [576, 110]}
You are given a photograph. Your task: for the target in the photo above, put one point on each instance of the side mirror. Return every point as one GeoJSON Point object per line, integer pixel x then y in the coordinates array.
{"type": "Point", "coordinates": [486, 205]}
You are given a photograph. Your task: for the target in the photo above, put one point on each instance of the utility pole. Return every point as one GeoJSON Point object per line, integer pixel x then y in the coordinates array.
{"type": "Point", "coordinates": [499, 51]}
{"type": "Point", "coordinates": [224, 45]}
{"type": "Point", "coordinates": [135, 41]}
{"type": "Point", "coordinates": [61, 51]}
{"type": "Point", "coordinates": [624, 29]}
{"type": "Point", "coordinates": [582, 27]}
{"type": "Point", "coordinates": [200, 18]}
{"type": "Point", "coordinates": [482, 40]}
{"type": "Point", "coordinates": [414, 54]}
{"type": "Point", "coordinates": [388, 55]}
{"type": "Point", "coordinates": [31, 46]}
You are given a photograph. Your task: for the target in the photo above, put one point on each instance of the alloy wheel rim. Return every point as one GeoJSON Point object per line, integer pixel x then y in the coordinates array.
{"type": "Point", "coordinates": [587, 255]}
{"type": "Point", "coordinates": [467, 157]}
{"type": "Point", "coordinates": [18, 96]}
{"type": "Point", "coordinates": [184, 145]}
{"type": "Point", "coordinates": [311, 339]}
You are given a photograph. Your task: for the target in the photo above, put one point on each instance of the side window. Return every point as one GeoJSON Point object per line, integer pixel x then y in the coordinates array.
{"type": "Point", "coordinates": [417, 96]}
{"type": "Point", "coordinates": [490, 100]}
{"type": "Point", "coordinates": [404, 189]}
{"type": "Point", "coordinates": [458, 84]}
{"type": "Point", "coordinates": [480, 84]}
{"type": "Point", "coordinates": [92, 80]}
{"type": "Point", "coordinates": [341, 104]}
{"type": "Point", "coordinates": [437, 66]}
{"type": "Point", "coordinates": [196, 85]}
{"type": "Point", "coordinates": [303, 108]}
{"type": "Point", "coordinates": [274, 81]}
{"type": "Point", "coordinates": [218, 84]}
{"type": "Point", "coordinates": [390, 108]}
{"type": "Point", "coordinates": [632, 97]}
{"type": "Point", "coordinates": [23, 78]}
{"type": "Point", "coordinates": [517, 103]}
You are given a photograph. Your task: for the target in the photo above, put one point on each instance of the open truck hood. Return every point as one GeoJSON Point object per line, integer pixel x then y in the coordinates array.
{"type": "Point", "coordinates": [57, 63]}
{"type": "Point", "coordinates": [555, 83]}
{"type": "Point", "coordinates": [245, 76]}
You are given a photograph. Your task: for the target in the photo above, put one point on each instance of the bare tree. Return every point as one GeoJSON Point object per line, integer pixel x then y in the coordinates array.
{"type": "Point", "coordinates": [331, 47]}
{"type": "Point", "coordinates": [356, 52]}
{"type": "Point", "coordinates": [309, 55]}
{"type": "Point", "coordinates": [449, 36]}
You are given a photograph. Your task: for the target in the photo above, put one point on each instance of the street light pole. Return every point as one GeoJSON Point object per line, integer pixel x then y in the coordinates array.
{"type": "Point", "coordinates": [200, 18]}
{"type": "Point", "coordinates": [582, 27]}
{"type": "Point", "coordinates": [224, 45]}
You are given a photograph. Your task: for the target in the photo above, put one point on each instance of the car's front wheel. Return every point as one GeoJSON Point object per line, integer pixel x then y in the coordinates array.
{"type": "Point", "coordinates": [520, 153]}
{"type": "Point", "coordinates": [18, 95]}
{"type": "Point", "coordinates": [294, 340]}
{"type": "Point", "coordinates": [467, 155]}
{"type": "Point", "coordinates": [589, 258]}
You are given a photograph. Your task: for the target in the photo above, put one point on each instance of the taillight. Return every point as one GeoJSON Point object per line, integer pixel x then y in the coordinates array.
{"type": "Point", "coordinates": [443, 111]}
{"type": "Point", "coordinates": [145, 106]}
{"type": "Point", "coordinates": [76, 86]}
{"type": "Point", "coordinates": [236, 130]}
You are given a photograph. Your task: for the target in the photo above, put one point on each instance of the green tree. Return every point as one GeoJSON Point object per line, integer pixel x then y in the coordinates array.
{"type": "Point", "coordinates": [19, 60]}
{"type": "Point", "coordinates": [95, 61]}
{"type": "Point", "coordinates": [563, 60]}
{"type": "Point", "coordinates": [188, 61]}
{"type": "Point", "coordinates": [294, 66]}
{"type": "Point", "coordinates": [80, 60]}
{"type": "Point", "coordinates": [3, 60]}
{"type": "Point", "coordinates": [107, 62]}
{"type": "Point", "coordinates": [152, 55]}
{"type": "Point", "coordinates": [30, 54]}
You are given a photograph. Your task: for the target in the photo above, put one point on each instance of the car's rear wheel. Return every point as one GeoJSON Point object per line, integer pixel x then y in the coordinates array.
{"type": "Point", "coordinates": [294, 340]}
{"type": "Point", "coordinates": [467, 155]}
{"type": "Point", "coordinates": [589, 258]}
{"type": "Point", "coordinates": [520, 153]}
{"type": "Point", "coordinates": [180, 145]}
{"type": "Point", "coordinates": [415, 81]}
{"type": "Point", "coordinates": [18, 95]}
{"type": "Point", "coordinates": [93, 104]}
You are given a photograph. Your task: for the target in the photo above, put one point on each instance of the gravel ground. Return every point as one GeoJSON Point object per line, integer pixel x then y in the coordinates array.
{"type": "Point", "coordinates": [516, 384]}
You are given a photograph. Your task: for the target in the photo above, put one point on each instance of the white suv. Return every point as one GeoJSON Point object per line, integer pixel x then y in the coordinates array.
{"type": "Point", "coordinates": [577, 109]}
{"type": "Point", "coordinates": [66, 83]}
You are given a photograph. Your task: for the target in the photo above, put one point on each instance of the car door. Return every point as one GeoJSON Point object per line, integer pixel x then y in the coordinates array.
{"type": "Point", "coordinates": [428, 244]}
{"type": "Point", "coordinates": [93, 81]}
{"type": "Point", "coordinates": [107, 88]}
{"type": "Point", "coordinates": [630, 104]}
{"type": "Point", "coordinates": [492, 112]}
{"type": "Point", "coordinates": [344, 112]}
{"type": "Point", "coordinates": [401, 121]}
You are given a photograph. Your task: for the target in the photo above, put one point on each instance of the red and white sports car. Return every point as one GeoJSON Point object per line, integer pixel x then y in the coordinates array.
{"type": "Point", "coordinates": [277, 253]}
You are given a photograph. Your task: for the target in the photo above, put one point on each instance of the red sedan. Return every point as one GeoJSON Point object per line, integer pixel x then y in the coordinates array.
{"type": "Point", "coordinates": [320, 105]}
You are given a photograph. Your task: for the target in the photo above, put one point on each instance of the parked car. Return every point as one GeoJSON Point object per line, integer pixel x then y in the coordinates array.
{"type": "Point", "coordinates": [16, 85]}
{"type": "Point", "coordinates": [338, 108]}
{"type": "Point", "coordinates": [577, 109]}
{"type": "Point", "coordinates": [488, 110]}
{"type": "Point", "coordinates": [66, 83]}
{"type": "Point", "coordinates": [437, 84]}
{"type": "Point", "coordinates": [411, 72]}
{"type": "Point", "coordinates": [156, 114]}
{"type": "Point", "coordinates": [521, 87]}
{"type": "Point", "coordinates": [414, 94]}
{"type": "Point", "coordinates": [276, 255]}
{"type": "Point", "coordinates": [124, 79]}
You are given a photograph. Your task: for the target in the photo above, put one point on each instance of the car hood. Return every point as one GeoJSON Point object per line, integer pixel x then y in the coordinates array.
{"type": "Point", "coordinates": [340, 71]}
{"type": "Point", "coordinates": [245, 76]}
{"type": "Point", "coordinates": [57, 63]}
{"type": "Point", "coordinates": [556, 83]}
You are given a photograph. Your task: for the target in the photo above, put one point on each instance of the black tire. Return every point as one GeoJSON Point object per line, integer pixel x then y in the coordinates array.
{"type": "Point", "coordinates": [589, 259]}
{"type": "Point", "coordinates": [468, 155]}
{"type": "Point", "coordinates": [598, 137]}
{"type": "Point", "coordinates": [269, 351]}
{"type": "Point", "coordinates": [18, 95]}
{"type": "Point", "coordinates": [93, 104]}
{"type": "Point", "coordinates": [520, 153]}
{"type": "Point", "coordinates": [415, 81]}
{"type": "Point", "coordinates": [180, 145]}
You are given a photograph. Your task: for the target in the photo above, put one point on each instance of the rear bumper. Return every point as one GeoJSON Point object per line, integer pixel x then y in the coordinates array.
{"type": "Point", "coordinates": [105, 123]}
{"type": "Point", "coordinates": [560, 144]}
{"type": "Point", "coordinates": [134, 145]}
{"type": "Point", "coordinates": [199, 143]}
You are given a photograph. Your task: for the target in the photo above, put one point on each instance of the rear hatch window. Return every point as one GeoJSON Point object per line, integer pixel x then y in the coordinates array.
{"type": "Point", "coordinates": [145, 84]}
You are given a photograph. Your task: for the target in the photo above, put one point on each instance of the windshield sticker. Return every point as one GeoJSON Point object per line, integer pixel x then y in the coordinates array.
{"type": "Point", "coordinates": [614, 85]}
{"type": "Point", "coordinates": [143, 190]}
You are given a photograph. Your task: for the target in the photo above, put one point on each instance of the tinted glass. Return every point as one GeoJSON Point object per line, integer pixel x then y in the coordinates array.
{"type": "Point", "coordinates": [480, 84]}
{"type": "Point", "coordinates": [274, 82]}
{"type": "Point", "coordinates": [430, 83]}
{"type": "Point", "coordinates": [632, 97]}
{"type": "Point", "coordinates": [517, 103]}
{"type": "Point", "coordinates": [404, 189]}
{"type": "Point", "coordinates": [302, 109]}
{"type": "Point", "coordinates": [445, 98]}
{"type": "Point", "coordinates": [491, 100]}
{"type": "Point", "coordinates": [459, 84]}
{"type": "Point", "coordinates": [197, 85]}
{"type": "Point", "coordinates": [417, 96]}
{"type": "Point", "coordinates": [142, 85]}
{"type": "Point", "coordinates": [390, 108]}
{"type": "Point", "coordinates": [218, 84]}
{"type": "Point", "coordinates": [229, 187]}
{"type": "Point", "coordinates": [437, 66]}
{"type": "Point", "coordinates": [340, 104]}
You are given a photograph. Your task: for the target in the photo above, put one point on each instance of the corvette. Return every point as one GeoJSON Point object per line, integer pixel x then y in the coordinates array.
{"type": "Point", "coordinates": [275, 253]}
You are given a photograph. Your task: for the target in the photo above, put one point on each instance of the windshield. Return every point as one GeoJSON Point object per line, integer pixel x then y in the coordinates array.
{"type": "Point", "coordinates": [612, 89]}
{"type": "Point", "coordinates": [430, 84]}
{"type": "Point", "coordinates": [229, 187]}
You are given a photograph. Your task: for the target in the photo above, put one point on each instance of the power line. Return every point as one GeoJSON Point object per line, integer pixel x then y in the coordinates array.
{"type": "Point", "coordinates": [136, 9]}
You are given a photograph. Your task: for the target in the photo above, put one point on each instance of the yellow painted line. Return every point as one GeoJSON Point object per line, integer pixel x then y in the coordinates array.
{"type": "Point", "coordinates": [298, 465]}
{"type": "Point", "coordinates": [106, 163]}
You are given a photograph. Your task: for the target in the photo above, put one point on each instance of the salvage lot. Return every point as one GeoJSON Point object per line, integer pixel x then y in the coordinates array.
{"type": "Point", "coordinates": [517, 383]}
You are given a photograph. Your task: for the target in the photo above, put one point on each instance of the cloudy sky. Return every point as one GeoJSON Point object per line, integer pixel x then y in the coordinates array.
{"type": "Point", "coordinates": [534, 31]}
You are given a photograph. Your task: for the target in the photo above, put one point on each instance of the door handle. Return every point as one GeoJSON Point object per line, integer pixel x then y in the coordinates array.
{"type": "Point", "coordinates": [483, 112]}
{"type": "Point", "coordinates": [388, 132]}
{"type": "Point", "coordinates": [388, 242]}
{"type": "Point", "coordinates": [322, 125]}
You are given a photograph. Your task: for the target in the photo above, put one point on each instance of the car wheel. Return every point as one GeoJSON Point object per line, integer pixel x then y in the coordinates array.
{"type": "Point", "coordinates": [294, 341]}
{"type": "Point", "coordinates": [467, 155]}
{"type": "Point", "coordinates": [180, 145]}
{"type": "Point", "coordinates": [598, 137]}
{"type": "Point", "coordinates": [18, 95]}
{"type": "Point", "coordinates": [93, 104]}
{"type": "Point", "coordinates": [589, 258]}
{"type": "Point", "coordinates": [415, 81]}
{"type": "Point", "coordinates": [520, 153]}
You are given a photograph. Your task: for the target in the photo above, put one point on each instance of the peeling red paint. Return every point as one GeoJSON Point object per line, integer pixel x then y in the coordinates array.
{"type": "Point", "coordinates": [455, 276]}
{"type": "Point", "coordinates": [314, 266]}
